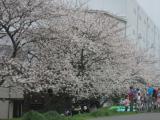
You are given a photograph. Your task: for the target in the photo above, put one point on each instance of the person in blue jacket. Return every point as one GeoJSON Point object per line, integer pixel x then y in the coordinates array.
{"type": "Point", "coordinates": [150, 92]}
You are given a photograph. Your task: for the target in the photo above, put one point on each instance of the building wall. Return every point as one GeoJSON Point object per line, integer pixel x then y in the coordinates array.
{"type": "Point", "coordinates": [14, 93]}
{"type": "Point", "coordinates": [6, 110]}
{"type": "Point", "coordinates": [4, 92]}
{"type": "Point", "coordinates": [3, 109]}
{"type": "Point", "coordinates": [137, 22]}
{"type": "Point", "coordinates": [140, 28]}
{"type": "Point", "coordinates": [117, 7]}
{"type": "Point", "coordinates": [6, 101]}
{"type": "Point", "coordinates": [121, 22]}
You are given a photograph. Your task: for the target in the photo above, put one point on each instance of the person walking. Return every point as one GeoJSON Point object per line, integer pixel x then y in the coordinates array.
{"type": "Point", "coordinates": [139, 102]}
{"type": "Point", "coordinates": [131, 96]}
{"type": "Point", "coordinates": [126, 103]}
{"type": "Point", "coordinates": [158, 99]}
{"type": "Point", "coordinates": [154, 97]}
{"type": "Point", "coordinates": [150, 92]}
{"type": "Point", "coordinates": [143, 102]}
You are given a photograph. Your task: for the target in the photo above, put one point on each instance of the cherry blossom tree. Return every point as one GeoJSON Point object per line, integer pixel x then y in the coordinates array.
{"type": "Point", "coordinates": [79, 52]}
{"type": "Point", "coordinates": [19, 17]}
{"type": "Point", "coordinates": [100, 58]}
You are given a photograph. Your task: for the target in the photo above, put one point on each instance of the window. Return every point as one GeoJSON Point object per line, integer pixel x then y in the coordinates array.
{"type": "Point", "coordinates": [145, 22]}
{"type": "Point", "coordinates": [152, 45]}
{"type": "Point", "coordinates": [134, 10]}
{"type": "Point", "coordinates": [139, 36]}
{"type": "Point", "coordinates": [133, 31]}
{"type": "Point", "coordinates": [138, 7]}
{"type": "Point", "coordinates": [140, 17]}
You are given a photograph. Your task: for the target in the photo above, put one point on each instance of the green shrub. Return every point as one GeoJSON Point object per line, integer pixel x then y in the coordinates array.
{"type": "Point", "coordinates": [52, 115]}
{"type": "Point", "coordinates": [85, 116]}
{"type": "Point", "coordinates": [100, 113]}
{"type": "Point", "coordinates": [33, 115]}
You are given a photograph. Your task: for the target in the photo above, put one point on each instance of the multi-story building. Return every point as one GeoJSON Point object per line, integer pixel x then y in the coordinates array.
{"type": "Point", "coordinates": [139, 26]}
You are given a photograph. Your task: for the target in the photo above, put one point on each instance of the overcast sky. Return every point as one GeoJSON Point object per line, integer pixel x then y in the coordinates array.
{"type": "Point", "coordinates": [152, 7]}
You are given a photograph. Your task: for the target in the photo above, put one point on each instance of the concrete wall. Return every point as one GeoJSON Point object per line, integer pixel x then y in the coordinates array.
{"type": "Point", "coordinates": [4, 105]}
{"type": "Point", "coordinates": [140, 26]}
{"type": "Point", "coordinates": [117, 7]}
{"type": "Point", "coordinates": [3, 109]}
{"type": "Point", "coordinates": [4, 92]}
{"type": "Point", "coordinates": [15, 93]}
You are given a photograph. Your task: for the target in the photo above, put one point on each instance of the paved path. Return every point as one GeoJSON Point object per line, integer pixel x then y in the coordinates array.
{"type": "Point", "coordinates": [146, 116]}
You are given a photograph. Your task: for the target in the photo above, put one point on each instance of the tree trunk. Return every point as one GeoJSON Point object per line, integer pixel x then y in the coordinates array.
{"type": "Point", "coordinates": [14, 53]}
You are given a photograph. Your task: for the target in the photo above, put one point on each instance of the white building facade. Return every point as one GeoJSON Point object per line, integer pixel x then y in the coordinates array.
{"type": "Point", "coordinates": [139, 26]}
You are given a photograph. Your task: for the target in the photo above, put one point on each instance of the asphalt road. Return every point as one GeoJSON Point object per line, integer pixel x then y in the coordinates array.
{"type": "Point", "coordinates": [146, 116]}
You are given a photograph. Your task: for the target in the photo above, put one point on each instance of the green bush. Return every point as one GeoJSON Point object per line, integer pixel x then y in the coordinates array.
{"type": "Point", "coordinates": [100, 113]}
{"type": "Point", "coordinates": [33, 115]}
{"type": "Point", "coordinates": [52, 115]}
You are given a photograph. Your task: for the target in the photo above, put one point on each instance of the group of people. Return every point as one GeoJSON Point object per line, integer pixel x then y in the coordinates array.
{"type": "Point", "coordinates": [147, 100]}
{"type": "Point", "coordinates": [76, 109]}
